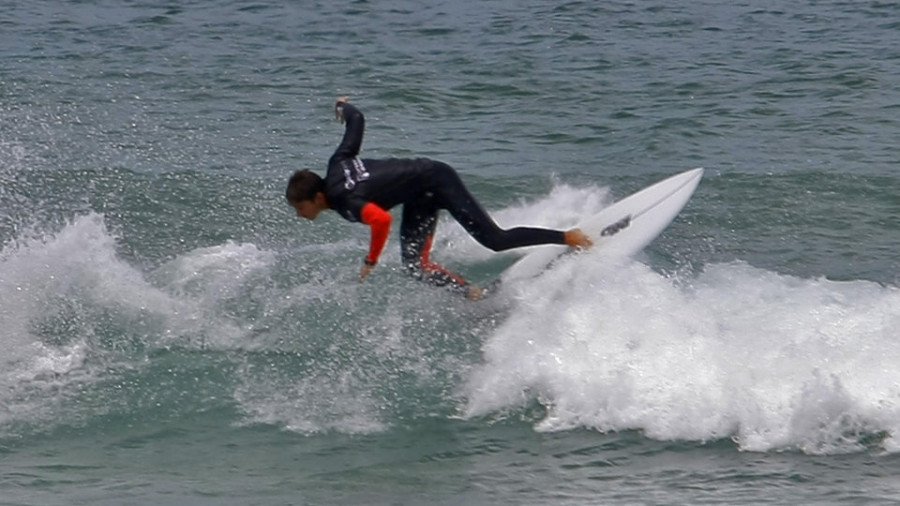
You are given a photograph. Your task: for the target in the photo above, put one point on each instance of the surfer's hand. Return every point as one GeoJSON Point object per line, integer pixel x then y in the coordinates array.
{"type": "Point", "coordinates": [339, 108]}
{"type": "Point", "coordinates": [575, 238]}
{"type": "Point", "coordinates": [365, 271]}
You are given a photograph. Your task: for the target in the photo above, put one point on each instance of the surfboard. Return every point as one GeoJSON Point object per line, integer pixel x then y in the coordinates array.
{"type": "Point", "coordinates": [621, 229]}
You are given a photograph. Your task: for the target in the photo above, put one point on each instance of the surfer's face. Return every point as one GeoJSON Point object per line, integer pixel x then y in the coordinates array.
{"type": "Point", "coordinates": [306, 209]}
{"type": "Point", "coordinates": [309, 209]}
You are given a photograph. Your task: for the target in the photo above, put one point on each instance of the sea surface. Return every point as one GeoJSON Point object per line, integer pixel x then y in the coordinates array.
{"type": "Point", "coordinates": [171, 333]}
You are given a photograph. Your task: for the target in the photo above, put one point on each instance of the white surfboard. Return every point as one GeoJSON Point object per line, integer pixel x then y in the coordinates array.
{"type": "Point", "coordinates": [622, 229]}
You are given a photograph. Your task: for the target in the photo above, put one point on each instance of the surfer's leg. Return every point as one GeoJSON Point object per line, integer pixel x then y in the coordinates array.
{"type": "Point", "coordinates": [416, 237]}
{"type": "Point", "coordinates": [453, 196]}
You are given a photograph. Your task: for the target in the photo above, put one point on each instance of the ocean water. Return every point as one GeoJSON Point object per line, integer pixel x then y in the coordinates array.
{"type": "Point", "coordinates": [172, 334]}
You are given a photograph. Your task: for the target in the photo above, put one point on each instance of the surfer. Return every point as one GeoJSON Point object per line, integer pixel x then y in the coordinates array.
{"type": "Point", "coordinates": [364, 190]}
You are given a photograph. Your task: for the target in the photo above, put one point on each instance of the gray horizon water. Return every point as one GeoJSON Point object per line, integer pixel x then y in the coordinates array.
{"type": "Point", "coordinates": [172, 334]}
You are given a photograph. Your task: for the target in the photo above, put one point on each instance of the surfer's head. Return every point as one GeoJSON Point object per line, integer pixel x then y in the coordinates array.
{"type": "Point", "coordinates": [306, 193]}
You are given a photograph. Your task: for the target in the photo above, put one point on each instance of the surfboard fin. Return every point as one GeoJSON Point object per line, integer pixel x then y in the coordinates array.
{"type": "Point", "coordinates": [616, 227]}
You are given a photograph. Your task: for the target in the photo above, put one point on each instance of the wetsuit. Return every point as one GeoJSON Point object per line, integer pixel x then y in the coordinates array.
{"type": "Point", "coordinates": [365, 189]}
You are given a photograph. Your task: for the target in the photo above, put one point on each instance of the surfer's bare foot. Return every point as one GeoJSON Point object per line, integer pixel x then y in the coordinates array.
{"type": "Point", "coordinates": [575, 238]}
{"type": "Point", "coordinates": [474, 292]}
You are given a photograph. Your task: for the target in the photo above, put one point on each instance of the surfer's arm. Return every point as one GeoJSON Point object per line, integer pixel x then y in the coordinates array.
{"type": "Point", "coordinates": [380, 222]}
{"type": "Point", "coordinates": [353, 132]}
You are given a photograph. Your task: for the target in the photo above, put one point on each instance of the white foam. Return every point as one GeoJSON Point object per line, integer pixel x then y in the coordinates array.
{"type": "Point", "coordinates": [53, 285]}
{"type": "Point", "coordinates": [210, 273]}
{"type": "Point", "coordinates": [204, 280]}
{"type": "Point", "coordinates": [773, 361]}
{"type": "Point", "coordinates": [195, 300]}
{"type": "Point", "coordinates": [34, 270]}
{"type": "Point", "coordinates": [40, 276]}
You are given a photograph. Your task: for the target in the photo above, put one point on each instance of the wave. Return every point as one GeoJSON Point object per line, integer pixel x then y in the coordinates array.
{"type": "Point", "coordinates": [772, 361]}
{"type": "Point", "coordinates": [288, 338]}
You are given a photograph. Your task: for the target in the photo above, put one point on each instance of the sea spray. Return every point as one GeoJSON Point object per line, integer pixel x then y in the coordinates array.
{"type": "Point", "coordinates": [75, 314]}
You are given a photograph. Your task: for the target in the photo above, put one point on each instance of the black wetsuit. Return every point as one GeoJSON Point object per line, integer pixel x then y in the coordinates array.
{"type": "Point", "coordinates": [424, 187]}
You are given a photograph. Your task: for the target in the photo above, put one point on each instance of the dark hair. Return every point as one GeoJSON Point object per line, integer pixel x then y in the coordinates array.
{"type": "Point", "coordinates": [304, 185]}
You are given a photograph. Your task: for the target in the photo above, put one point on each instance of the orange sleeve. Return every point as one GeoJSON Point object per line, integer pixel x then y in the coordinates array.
{"type": "Point", "coordinates": [380, 221]}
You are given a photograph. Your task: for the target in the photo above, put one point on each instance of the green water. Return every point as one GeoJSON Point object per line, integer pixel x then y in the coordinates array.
{"type": "Point", "coordinates": [172, 333]}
